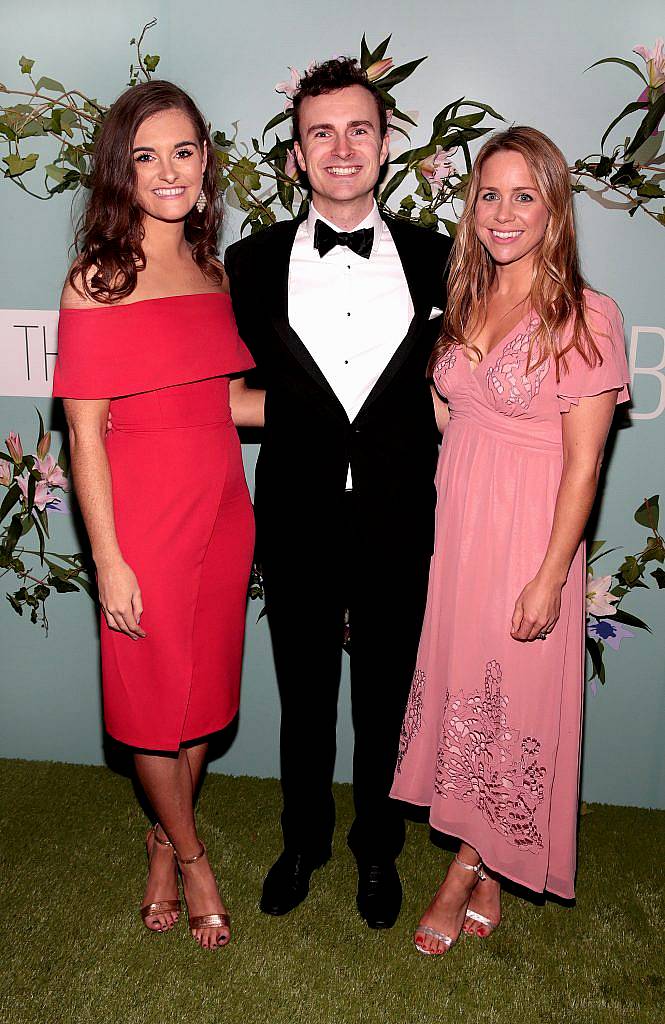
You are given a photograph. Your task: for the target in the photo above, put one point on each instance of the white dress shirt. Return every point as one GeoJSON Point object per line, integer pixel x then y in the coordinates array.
{"type": "Point", "coordinates": [351, 313]}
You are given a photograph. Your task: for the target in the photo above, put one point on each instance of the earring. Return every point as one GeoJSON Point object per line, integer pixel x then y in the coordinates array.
{"type": "Point", "coordinates": [201, 202]}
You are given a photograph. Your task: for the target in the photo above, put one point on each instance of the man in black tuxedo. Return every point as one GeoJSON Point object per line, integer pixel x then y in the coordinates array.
{"type": "Point", "coordinates": [340, 310]}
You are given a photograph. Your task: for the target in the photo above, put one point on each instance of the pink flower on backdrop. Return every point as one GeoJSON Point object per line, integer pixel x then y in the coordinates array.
{"type": "Point", "coordinates": [5, 473]}
{"type": "Point", "coordinates": [439, 166]}
{"type": "Point", "coordinates": [291, 169]}
{"type": "Point", "coordinates": [50, 471]}
{"type": "Point", "coordinates": [43, 496]}
{"type": "Point", "coordinates": [291, 86]}
{"type": "Point", "coordinates": [14, 447]}
{"type": "Point", "coordinates": [599, 601]}
{"type": "Point", "coordinates": [655, 62]}
{"type": "Point", "coordinates": [379, 68]}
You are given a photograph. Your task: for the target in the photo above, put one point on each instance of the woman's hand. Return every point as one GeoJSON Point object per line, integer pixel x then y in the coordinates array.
{"type": "Point", "coordinates": [120, 598]}
{"type": "Point", "coordinates": [536, 609]}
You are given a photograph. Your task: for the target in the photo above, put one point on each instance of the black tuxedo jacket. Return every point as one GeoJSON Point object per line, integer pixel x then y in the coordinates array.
{"type": "Point", "coordinates": [308, 440]}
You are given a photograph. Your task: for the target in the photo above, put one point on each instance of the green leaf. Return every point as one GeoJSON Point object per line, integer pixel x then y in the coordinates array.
{"type": "Point", "coordinates": [151, 61]}
{"type": "Point", "coordinates": [594, 548]}
{"type": "Point", "coordinates": [41, 426]}
{"type": "Point", "coordinates": [41, 592]}
{"type": "Point", "coordinates": [393, 184]}
{"type": "Point", "coordinates": [408, 203]}
{"type": "Point", "coordinates": [630, 109]}
{"type": "Point", "coordinates": [659, 577]}
{"type": "Point", "coordinates": [630, 569]}
{"type": "Point", "coordinates": [32, 486]}
{"type": "Point", "coordinates": [595, 553]}
{"type": "Point", "coordinates": [26, 65]}
{"type": "Point", "coordinates": [380, 51]}
{"type": "Point", "coordinates": [50, 85]}
{"type": "Point", "coordinates": [649, 190]}
{"type": "Point", "coordinates": [648, 126]}
{"type": "Point", "coordinates": [450, 226]}
{"type": "Point", "coordinates": [13, 533]}
{"type": "Point", "coordinates": [365, 55]}
{"type": "Point", "coordinates": [619, 60]}
{"type": "Point", "coordinates": [649, 150]}
{"type": "Point", "coordinates": [18, 608]}
{"type": "Point", "coordinates": [18, 165]}
{"type": "Point", "coordinates": [59, 174]}
{"type": "Point", "coordinates": [648, 513]}
{"type": "Point", "coordinates": [62, 586]}
{"type": "Point", "coordinates": [11, 497]}
{"type": "Point", "coordinates": [398, 75]}
{"type": "Point", "coordinates": [630, 620]}
{"type": "Point", "coordinates": [87, 587]}
{"type": "Point", "coordinates": [428, 219]}
{"type": "Point", "coordinates": [63, 459]}
{"type": "Point", "coordinates": [42, 545]}
{"type": "Point", "coordinates": [595, 649]}
{"type": "Point", "coordinates": [278, 119]}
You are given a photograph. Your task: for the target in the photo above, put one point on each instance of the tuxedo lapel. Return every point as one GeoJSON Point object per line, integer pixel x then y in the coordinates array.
{"type": "Point", "coordinates": [419, 282]}
{"type": "Point", "coordinates": [280, 258]}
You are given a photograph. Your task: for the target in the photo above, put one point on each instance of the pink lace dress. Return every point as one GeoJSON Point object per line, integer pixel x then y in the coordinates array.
{"type": "Point", "coordinates": [491, 734]}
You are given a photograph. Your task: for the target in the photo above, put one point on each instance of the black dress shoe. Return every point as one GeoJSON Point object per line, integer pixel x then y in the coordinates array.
{"type": "Point", "coordinates": [379, 896]}
{"type": "Point", "coordinates": [287, 883]}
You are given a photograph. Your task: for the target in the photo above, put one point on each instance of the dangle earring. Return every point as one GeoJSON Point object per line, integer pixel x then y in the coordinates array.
{"type": "Point", "coordinates": [201, 202]}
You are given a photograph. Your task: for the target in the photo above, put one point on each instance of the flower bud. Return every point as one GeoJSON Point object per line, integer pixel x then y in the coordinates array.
{"type": "Point", "coordinates": [379, 68]}
{"type": "Point", "coordinates": [15, 448]}
{"type": "Point", "coordinates": [44, 445]}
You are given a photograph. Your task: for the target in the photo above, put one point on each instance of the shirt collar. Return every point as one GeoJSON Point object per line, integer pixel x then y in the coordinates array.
{"type": "Point", "coordinates": [372, 220]}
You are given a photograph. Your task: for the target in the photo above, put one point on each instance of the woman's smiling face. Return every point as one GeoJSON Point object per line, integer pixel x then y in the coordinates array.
{"type": "Point", "coordinates": [510, 214]}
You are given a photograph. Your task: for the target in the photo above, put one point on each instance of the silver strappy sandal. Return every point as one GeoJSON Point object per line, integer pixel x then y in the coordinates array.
{"type": "Point", "coordinates": [446, 939]}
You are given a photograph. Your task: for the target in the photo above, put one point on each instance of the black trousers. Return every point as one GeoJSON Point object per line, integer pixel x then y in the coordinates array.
{"type": "Point", "coordinates": [307, 592]}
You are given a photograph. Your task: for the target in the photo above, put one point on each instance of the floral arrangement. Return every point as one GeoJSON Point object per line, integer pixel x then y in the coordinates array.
{"type": "Point", "coordinates": [31, 482]}
{"type": "Point", "coordinates": [261, 179]}
{"type": "Point", "coordinates": [631, 177]}
{"type": "Point", "coordinates": [608, 623]}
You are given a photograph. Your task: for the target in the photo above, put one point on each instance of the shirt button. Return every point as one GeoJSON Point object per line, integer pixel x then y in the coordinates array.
{"type": "Point", "coordinates": [348, 314]}
{"type": "Point", "coordinates": [346, 362]}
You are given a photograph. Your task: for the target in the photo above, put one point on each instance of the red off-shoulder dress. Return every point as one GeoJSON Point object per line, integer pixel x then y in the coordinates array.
{"type": "Point", "coordinates": [182, 511]}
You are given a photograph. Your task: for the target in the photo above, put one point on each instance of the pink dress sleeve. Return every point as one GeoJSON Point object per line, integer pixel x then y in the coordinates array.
{"type": "Point", "coordinates": [580, 380]}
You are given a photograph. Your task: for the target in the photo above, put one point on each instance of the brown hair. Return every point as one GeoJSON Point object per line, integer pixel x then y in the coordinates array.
{"type": "Point", "coordinates": [110, 232]}
{"type": "Point", "coordinates": [557, 285]}
{"type": "Point", "coordinates": [331, 75]}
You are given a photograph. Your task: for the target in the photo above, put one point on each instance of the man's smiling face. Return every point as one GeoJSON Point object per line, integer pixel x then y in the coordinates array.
{"type": "Point", "coordinates": [341, 149]}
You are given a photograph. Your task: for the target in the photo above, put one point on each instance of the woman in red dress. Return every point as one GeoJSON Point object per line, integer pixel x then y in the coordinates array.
{"type": "Point", "coordinates": [146, 331]}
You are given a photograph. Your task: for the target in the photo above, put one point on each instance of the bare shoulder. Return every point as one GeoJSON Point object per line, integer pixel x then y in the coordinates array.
{"type": "Point", "coordinates": [223, 280]}
{"type": "Point", "coordinates": [73, 296]}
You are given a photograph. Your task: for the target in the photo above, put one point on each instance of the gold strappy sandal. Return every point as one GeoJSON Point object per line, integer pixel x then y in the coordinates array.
{"type": "Point", "coordinates": [205, 920]}
{"type": "Point", "coordinates": [161, 906]}
{"type": "Point", "coordinates": [441, 936]}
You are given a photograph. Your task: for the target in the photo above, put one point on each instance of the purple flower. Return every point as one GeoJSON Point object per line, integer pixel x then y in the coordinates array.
{"type": "Point", "coordinates": [612, 632]}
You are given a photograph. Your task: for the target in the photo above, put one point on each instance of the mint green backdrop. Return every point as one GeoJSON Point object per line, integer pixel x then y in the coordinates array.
{"type": "Point", "coordinates": [524, 57]}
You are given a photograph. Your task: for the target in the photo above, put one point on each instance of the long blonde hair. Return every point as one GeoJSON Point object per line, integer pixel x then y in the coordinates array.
{"type": "Point", "coordinates": [557, 286]}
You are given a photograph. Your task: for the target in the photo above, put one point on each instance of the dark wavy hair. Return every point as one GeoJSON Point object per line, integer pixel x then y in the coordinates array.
{"type": "Point", "coordinates": [330, 76]}
{"type": "Point", "coordinates": [109, 236]}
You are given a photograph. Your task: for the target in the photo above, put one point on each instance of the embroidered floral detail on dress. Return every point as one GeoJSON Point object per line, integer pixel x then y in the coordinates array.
{"type": "Point", "coordinates": [447, 360]}
{"type": "Point", "coordinates": [508, 378]}
{"type": "Point", "coordinates": [481, 760]}
{"type": "Point", "coordinates": [412, 716]}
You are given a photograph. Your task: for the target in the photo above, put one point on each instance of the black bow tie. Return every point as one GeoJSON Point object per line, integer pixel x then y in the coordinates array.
{"type": "Point", "coordinates": [326, 238]}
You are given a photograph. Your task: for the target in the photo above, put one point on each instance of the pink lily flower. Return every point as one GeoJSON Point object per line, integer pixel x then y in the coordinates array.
{"type": "Point", "coordinates": [379, 68]}
{"type": "Point", "coordinates": [599, 601]}
{"type": "Point", "coordinates": [290, 87]}
{"type": "Point", "coordinates": [291, 169]}
{"type": "Point", "coordinates": [50, 471]}
{"type": "Point", "coordinates": [42, 494]}
{"type": "Point", "coordinates": [14, 447]}
{"type": "Point", "coordinates": [655, 62]}
{"type": "Point", "coordinates": [5, 473]}
{"type": "Point", "coordinates": [439, 166]}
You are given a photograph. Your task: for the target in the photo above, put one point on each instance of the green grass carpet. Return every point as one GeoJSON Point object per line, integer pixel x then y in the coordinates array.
{"type": "Point", "coordinates": [73, 950]}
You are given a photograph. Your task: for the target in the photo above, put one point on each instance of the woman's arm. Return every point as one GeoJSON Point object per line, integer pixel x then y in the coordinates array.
{"type": "Point", "coordinates": [584, 427]}
{"type": "Point", "coordinates": [119, 593]}
{"type": "Point", "coordinates": [441, 411]}
{"type": "Point", "coordinates": [246, 404]}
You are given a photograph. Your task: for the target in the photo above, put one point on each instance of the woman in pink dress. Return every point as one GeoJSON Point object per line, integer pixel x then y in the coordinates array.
{"type": "Point", "coordinates": [146, 330]}
{"type": "Point", "coordinates": [531, 365]}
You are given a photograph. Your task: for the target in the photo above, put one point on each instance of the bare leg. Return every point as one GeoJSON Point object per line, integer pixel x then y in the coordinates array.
{"type": "Point", "coordinates": [169, 784]}
{"type": "Point", "coordinates": [447, 910]}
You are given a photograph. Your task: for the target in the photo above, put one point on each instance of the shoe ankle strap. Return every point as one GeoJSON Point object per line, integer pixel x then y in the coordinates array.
{"type": "Point", "coordinates": [477, 868]}
{"type": "Point", "coordinates": [193, 860]}
{"type": "Point", "coordinates": [162, 842]}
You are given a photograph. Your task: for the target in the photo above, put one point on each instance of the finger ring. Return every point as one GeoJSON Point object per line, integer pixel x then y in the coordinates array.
{"type": "Point", "coordinates": [541, 636]}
